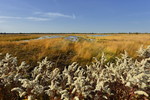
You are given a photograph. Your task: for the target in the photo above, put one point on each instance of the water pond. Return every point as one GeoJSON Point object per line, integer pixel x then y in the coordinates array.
{"type": "Point", "coordinates": [49, 37]}
{"type": "Point", "coordinates": [72, 38]}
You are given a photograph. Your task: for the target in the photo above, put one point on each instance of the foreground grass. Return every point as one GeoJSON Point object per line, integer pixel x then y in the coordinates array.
{"type": "Point", "coordinates": [124, 79]}
{"type": "Point", "coordinates": [63, 52]}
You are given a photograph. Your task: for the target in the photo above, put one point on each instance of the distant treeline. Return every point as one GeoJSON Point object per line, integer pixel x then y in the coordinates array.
{"type": "Point", "coordinates": [75, 33]}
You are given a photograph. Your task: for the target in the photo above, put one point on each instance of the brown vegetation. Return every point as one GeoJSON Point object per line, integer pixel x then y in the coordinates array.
{"type": "Point", "coordinates": [63, 52]}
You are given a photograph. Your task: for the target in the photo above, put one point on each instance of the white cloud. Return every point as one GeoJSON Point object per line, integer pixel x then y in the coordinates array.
{"type": "Point", "coordinates": [37, 18]}
{"type": "Point", "coordinates": [41, 16]}
{"type": "Point", "coordinates": [55, 15]}
{"type": "Point", "coordinates": [25, 18]}
{"type": "Point", "coordinates": [59, 15]}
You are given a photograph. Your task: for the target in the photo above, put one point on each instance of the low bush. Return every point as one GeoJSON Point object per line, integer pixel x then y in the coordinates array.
{"type": "Point", "coordinates": [126, 79]}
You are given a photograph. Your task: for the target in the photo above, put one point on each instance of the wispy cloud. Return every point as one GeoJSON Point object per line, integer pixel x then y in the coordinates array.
{"type": "Point", "coordinates": [37, 18]}
{"type": "Point", "coordinates": [60, 15]}
{"type": "Point", "coordinates": [40, 16]}
{"type": "Point", "coordinates": [25, 18]}
{"type": "Point", "coordinates": [55, 15]}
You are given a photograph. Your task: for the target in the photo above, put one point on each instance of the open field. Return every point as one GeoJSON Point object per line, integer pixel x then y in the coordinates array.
{"type": "Point", "coordinates": [63, 52]}
{"type": "Point", "coordinates": [69, 71]}
{"type": "Point", "coordinates": [109, 76]}
{"type": "Point", "coordinates": [74, 50]}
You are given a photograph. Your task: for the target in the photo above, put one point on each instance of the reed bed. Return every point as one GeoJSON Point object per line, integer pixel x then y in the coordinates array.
{"type": "Point", "coordinates": [63, 51]}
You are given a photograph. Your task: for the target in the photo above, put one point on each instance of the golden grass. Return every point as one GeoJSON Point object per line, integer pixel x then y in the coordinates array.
{"type": "Point", "coordinates": [17, 37]}
{"type": "Point", "coordinates": [63, 52]}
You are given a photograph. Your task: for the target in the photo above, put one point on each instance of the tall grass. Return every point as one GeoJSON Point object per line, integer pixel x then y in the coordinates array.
{"type": "Point", "coordinates": [124, 79]}
{"type": "Point", "coordinates": [63, 51]}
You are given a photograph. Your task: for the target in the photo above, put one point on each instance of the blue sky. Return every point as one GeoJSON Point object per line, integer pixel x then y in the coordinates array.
{"type": "Point", "coordinates": [75, 16]}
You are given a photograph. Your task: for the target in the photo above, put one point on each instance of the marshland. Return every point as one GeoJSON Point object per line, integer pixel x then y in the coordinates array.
{"type": "Point", "coordinates": [64, 50]}
{"type": "Point", "coordinates": [74, 50]}
{"type": "Point", "coordinates": [75, 66]}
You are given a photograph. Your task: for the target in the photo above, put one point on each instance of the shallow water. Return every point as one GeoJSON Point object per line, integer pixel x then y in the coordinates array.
{"type": "Point", "coordinates": [45, 37]}
{"type": "Point", "coordinates": [72, 38]}
{"type": "Point", "coordinates": [49, 37]}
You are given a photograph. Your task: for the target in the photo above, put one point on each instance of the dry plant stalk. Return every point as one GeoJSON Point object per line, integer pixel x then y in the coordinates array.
{"type": "Point", "coordinates": [124, 79]}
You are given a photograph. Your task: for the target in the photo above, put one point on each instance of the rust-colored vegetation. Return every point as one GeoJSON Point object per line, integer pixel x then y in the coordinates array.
{"type": "Point", "coordinates": [63, 51]}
